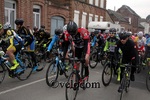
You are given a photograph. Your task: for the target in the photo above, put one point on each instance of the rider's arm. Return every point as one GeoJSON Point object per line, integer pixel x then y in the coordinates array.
{"type": "Point", "coordinates": [55, 38]}
{"type": "Point", "coordinates": [94, 41]}
{"type": "Point", "coordinates": [106, 46]}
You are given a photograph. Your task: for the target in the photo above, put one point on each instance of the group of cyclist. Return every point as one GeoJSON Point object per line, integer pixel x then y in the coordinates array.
{"type": "Point", "coordinates": [79, 40]}
{"type": "Point", "coordinates": [12, 41]}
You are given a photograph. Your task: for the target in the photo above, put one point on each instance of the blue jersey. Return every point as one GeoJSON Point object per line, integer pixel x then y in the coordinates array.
{"type": "Point", "coordinates": [54, 40]}
{"type": "Point", "coordinates": [148, 41]}
{"type": "Point", "coordinates": [94, 41]}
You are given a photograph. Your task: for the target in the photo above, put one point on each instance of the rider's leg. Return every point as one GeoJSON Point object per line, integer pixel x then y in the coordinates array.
{"type": "Point", "coordinates": [10, 52]}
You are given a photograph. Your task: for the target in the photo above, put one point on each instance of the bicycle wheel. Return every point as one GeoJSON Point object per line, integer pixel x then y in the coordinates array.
{"type": "Point", "coordinates": [41, 59]}
{"type": "Point", "coordinates": [52, 74]}
{"type": "Point", "coordinates": [148, 81]}
{"type": "Point", "coordinates": [2, 73]}
{"type": "Point", "coordinates": [24, 70]}
{"type": "Point", "coordinates": [93, 60]}
{"type": "Point", "coordinates": [72, 86]}
{"type": "Point", "coordinates": [122, 86]}
{"type": "Point", "coordinates": [107, 74]}
{"type": "Point", "coordinates": [104, 60]}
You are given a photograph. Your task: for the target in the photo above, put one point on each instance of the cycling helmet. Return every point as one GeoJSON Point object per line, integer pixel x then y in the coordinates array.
{"type": "Point", "coordinates": [42, 26]}
{"type": "Point", "coordinates": [112, 30]}
{"type": "Point", "coordinates": [129, 33]}
{"type": "Point", "coordinates": [140, 34]}
{"type": "Point", "coordinates": [123, 35]}
{"type": "Point", "coordinates": [19, 21]}
{"type": "Point", "coordinates": [58, 31]}
{"type": "Point", "coordinates": [35, 28]}
{"type": "Point", "coordinates": [1, 26]}
{"type": "Point", "coordinates": [6, 26]}
{"type": "Point", "coordinates": [96, 32]}
{"type": "Point", "coordinates": [106, 31]}
{"type": "Point", "coordinates": [72, 28]}
{"type": "Point", "coordinates": [65, 28]}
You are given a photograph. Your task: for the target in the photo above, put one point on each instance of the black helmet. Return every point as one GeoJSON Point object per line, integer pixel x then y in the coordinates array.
{"type": "Point", "coordinates": [58, 31]}
{"type": "Point", "coordinates": [19, 21]}
{"type": "Point", "coordinates": [129, 34]}
{"type": "Point", "coordinates": [112, 30]}
{"type": "Point", "coordinates": [35, 28]}
{"type": "Point", "coordinates": [123, 35]}
{"type": "Point", "coordinates": [72, 28]}
{"type": "Point", "coordinates": [96, 32]}
{"type": "Point", "coordinates": [42, 26]}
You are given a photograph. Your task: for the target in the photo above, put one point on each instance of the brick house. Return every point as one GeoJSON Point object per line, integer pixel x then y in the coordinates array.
{"type": "Point", "coordinates": [132, 17]}
{"type": "Point", "coordinates": [118, 18]}
{"type": "Point", "coordinates": [52, 13]}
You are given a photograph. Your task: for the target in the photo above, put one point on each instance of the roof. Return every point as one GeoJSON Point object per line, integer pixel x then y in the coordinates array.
{"type": "Point", "coordinates": [130, 10]}
{"type": "Point", "coordinates": [117, 15]}
{"type": "Point", "coordinates": [140, 26]}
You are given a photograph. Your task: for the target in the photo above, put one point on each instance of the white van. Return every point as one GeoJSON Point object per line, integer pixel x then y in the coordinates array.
{"type": "Point", "coordinates": [92, 26]}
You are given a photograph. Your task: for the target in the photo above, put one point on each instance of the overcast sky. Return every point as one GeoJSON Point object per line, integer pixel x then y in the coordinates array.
{"type": "Point", "coordinates": [141, 7]}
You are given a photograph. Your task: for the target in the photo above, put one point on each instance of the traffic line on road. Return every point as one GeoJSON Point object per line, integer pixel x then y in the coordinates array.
{"type": "Point", "coordinates": [18, 87]}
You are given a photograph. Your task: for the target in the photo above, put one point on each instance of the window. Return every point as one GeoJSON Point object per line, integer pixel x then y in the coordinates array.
{"type": "Point", "coordinates": [96, 2]}
{"type": "Point", "coordinates": [96, 17]}
{"type": "Point", "coordinates": [91, 2]}
{"type": "Point", "coordinates": [76, 17]}
{"type": "Point", "coordinates": [84, 20]}
{"type": "Point", "coordinates": [36, 16]}
{"type": "Point", "coordinates": [101, 18]}
{"type": "Point", "coordinates": [10, 12]}
{"type": "Point", "coordinates": [102, 4]}
{"type": "Point", "coordinates": [90, 17]}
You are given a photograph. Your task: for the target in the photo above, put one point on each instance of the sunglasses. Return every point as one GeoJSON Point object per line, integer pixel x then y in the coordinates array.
{"type": "Point", "coordinates": [112, 33]}
{"type": "Point", "coordinates": [123, 38]}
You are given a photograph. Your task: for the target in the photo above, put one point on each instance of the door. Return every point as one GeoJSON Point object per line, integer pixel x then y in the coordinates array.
{"type": "Point", "coordinates": [56, 22]}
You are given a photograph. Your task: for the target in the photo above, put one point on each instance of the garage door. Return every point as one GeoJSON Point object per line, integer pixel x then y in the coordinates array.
{"type": "Point", "coordinates": [56, 22]}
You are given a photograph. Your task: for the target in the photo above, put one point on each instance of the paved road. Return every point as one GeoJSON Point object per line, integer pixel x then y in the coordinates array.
{"type": "Point", "coordinates": [35, 88]}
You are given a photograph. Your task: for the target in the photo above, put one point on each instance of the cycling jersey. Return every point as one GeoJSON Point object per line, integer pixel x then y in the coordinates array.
{"type": "Point", "coordinates": [128, 50]}
{"type": "Point", "coordinates": [11, 40]}
{"type": "Point", "coordinates": [81, 42]}
{"type": "Point", "coordinates": [140, 43]}
{"type": "Point", "coordinates": [25, 34]}
{"type": "Point", "coordinates": [110, 44]}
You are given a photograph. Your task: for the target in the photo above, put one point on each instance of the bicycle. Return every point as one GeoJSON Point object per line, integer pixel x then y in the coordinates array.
{"type": "Point", "coordinates": [125, 82]}
{"type": "Point", "coordinates": [76, 80]}
{"type": "Point", "coordinates": [55, 68]}
{"type": "Point", "coordinates": [140, 65]}
{"type": "Point", "coordinates": [110, 68]}
{"type": "Point", "coordinates": [148, 75]}
{"type": "Point", "coordinates": [22, 72]}
{"type": "Point", "coordinates": [96, 57]}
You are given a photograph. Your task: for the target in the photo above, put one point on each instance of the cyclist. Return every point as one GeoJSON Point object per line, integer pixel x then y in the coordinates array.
{"type": "Point", "coordinates": [11, 43]}
{"type": "Point", "coordinates": [98, 39]}
{"type": "Point", "coordinates": [147, 49]}
{"type": "Point", "coordinates": [110, 46]}
{"type": "Point", "coordinates": [140, 44]}
{"type": "Point", "coordinates": [28, 39]}
{"type": "Point", "coordinates": [129, 51]}
{"type": "Point", "coordinates": [35, 32]}
{"type": "Point", "coordinates": [61, 38]}
{"type": "Point", "coordinates": [81, 43]}
{"type": "Point", "coordinates": [43, 38]}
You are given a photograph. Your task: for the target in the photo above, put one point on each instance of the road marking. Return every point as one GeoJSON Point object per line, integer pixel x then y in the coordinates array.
{"type": "Point", "coordinates": [18, 87]}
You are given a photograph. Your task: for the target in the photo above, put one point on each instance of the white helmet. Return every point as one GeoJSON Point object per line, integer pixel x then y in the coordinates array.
{"type": "Point", "coordinates": [2, 53]}
{"type": "Point", "coordinates": [7, 26]}
{"type": "Point", "coordinates": [140, 34]}
{"type": "Point", "coordinates": [65, 28]}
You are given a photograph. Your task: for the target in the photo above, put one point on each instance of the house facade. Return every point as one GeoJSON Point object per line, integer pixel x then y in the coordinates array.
{"type": "Point", "coordinates": [132, 17]}
{"type": "Point", "coordinates": [52, 13]}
